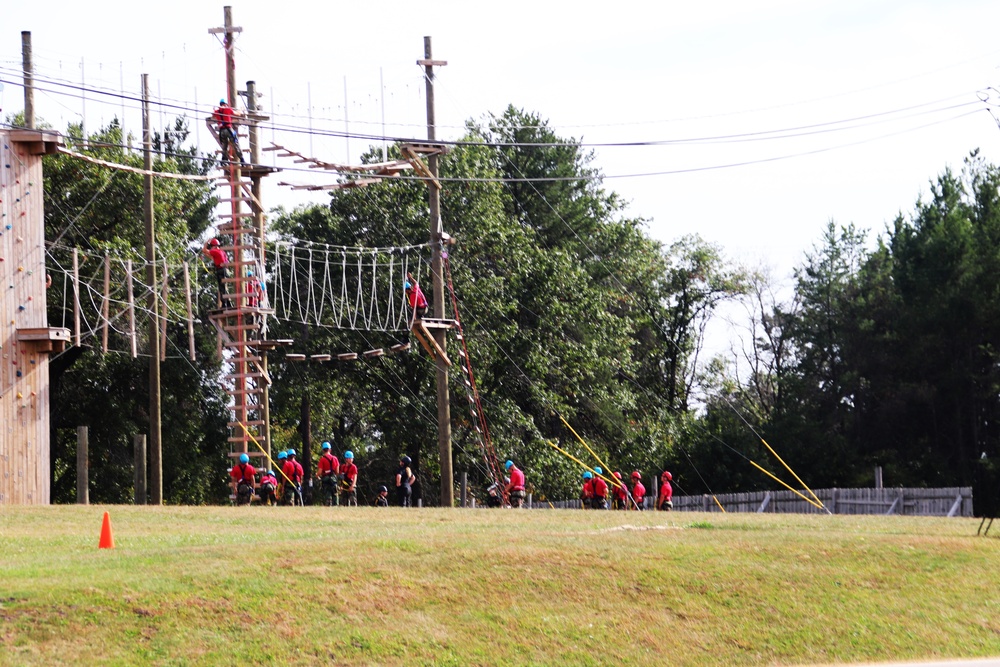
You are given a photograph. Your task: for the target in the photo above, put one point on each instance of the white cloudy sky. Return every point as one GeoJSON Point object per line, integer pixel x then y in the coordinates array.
{"type": "Point", "coordinates": [888, 90]}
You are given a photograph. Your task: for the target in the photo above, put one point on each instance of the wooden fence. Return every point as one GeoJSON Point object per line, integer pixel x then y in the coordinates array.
{"type": "Point", "coordinates": [954, 501]}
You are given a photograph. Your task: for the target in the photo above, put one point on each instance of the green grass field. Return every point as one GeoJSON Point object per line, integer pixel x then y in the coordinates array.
{"type": "Point", "coordinates": [278, 586]}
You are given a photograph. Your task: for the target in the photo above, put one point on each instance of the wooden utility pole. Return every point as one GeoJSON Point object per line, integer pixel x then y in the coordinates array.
{"type": "Point", "coordinates": [437, 275]}
{"type": "Point", "coordinates": [253, 117]}
{"type": "Point", "coordinates": [155, 448]}
{"type": "Point", "coordinates": [29, 80]}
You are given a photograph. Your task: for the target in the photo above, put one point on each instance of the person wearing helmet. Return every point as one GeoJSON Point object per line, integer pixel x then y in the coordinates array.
{"type": "Point", "coordinates": [598, 491]}
{"type": "Point", "coordinates": [293, 486]}
{"type": "Point", "coordinates": [638, 491]}
{"type": "Point", "coordinates": [348, 481]}
{"type": "Point", "coordinates": [588, 492]}
{"type": "Point", "coordinates": [280, 491]}
{"type": "Point", "coordinates": [493, 498]}
{"type": "Point", "coordinates": [415, 297]}
{"type": "Point", "coordinates": [665, 501]}
{"type": "Point", "coordinates": [382, 499]}
{"type": "Point", "coordinates": [254, 290]}
{"type": "Point", "coordinates": [219, 259]}
{"type": "Point", "coordinates": [515, 487]}
{"type": "Point", "coordinates": [268, 487]}
{"type": "Point", "coordinates": [327, 471]}
{"type": "Point", "coordinates": [404, 481]}
{"type": "Point", "coordinates": [224, 118]}
{"type": "Point", "coordinates": [242, 476]}
{"type": "Point", "coordinates": [619, 494]}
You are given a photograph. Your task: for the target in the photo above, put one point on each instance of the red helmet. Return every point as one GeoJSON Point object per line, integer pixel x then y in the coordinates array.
{"type": "Point", "coordinates": [213, 242]}
{"type": "Point", "coordinates": [617, 474]}
{"type": "Point", "coordinates": [636, 475]}
{"type": "Point", "coordinates": [666, 475]}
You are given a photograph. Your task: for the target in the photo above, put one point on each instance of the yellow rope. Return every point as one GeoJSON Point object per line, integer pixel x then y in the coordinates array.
{"type": "Point", "coordinates": [793, 474]}
{"type": "Point", "coordinates": [266, 455]}
{"type": "Point", "coordinates": [808, 500]}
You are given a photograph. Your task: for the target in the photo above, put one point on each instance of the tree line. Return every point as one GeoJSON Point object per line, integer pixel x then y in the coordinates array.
{"type": "Point", "coordinates": [882, 354]}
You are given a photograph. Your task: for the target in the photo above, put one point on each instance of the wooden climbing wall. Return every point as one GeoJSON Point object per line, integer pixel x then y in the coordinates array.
{"type": "Point", "coordinates": [25, 339]}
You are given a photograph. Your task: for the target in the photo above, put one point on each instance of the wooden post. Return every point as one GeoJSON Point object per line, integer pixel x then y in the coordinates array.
{"type": "Point", "coordinates": [259, 223]}
{"type": "Point", "coordinates": [155, 463]}
{"type": "Point", "coordinates": [140, 469]}
{"type": "Point", "coordinates": [82, 466]}
{"type": "Point", "coordinates": [464, 489]}
{"type": "Point", "coordinates": [106, 304]}
{"type": "Point", "coordinates": [131, 308]}
{"type": "Point", "coordinates": [29, 80]}
{"type": "Point", "coordinates": [190, 313]}
{"type": "Point", "coordinates": [76, 297]}
{"type": "Point", "coordinates": [878, 477]}
{"type": "Point", "coordinates": [436, 230]}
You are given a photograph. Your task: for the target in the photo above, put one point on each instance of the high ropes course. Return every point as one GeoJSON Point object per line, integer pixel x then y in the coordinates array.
{"type": "Point", "coordinates": [351, 288]}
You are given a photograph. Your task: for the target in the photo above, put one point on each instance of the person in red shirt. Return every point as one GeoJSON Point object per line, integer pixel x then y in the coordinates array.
{"type": "Point", "coordinates": [348, 480]}
{"type": "Point", "coordinates": [327, 471]}
{"type": "Point", "coordinates": [598, 491]}
{"type": "Point", "coordinates": [415, 297]}
{"type": "Point", "coordinates": [219, 260]}
{"type": "Point", "coordinates": [619, 494]}
{"type": "Point", "coordinates": [515, 488]}
{"type": "Point", "coordinates": [254, 290]}
{"type": "Point", "coordinates": [638, 490]}
{"type": "Point", "coordinates": [268, 488]}
{"type": "Point", "coordinates": [224, 117]}
{"type": "Point", "coordinates": [242, 476]}
{"type": "Point", "coordinates": [665, 501]}
{"type": "Point", "coordinates": [588, 492]}
{"type": "Point", "coordinates": [293, 470]}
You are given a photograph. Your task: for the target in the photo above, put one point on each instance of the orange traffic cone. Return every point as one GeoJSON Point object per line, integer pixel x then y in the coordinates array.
{"type": "Point", "coordinates": [107, 539]}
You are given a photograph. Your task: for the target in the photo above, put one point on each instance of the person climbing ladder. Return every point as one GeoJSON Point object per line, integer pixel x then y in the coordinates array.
{"type": "Point", "coordinates": [224, 118]}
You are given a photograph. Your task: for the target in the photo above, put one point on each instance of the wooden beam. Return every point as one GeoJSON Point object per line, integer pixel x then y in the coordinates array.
{"type": "Point", "coordinates": [106, 304]}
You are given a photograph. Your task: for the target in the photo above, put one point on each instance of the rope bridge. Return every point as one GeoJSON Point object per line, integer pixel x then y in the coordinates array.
{"type": "Point", "coordinates": [344, 287]}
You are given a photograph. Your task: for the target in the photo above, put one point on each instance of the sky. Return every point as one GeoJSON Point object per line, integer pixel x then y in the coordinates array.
{"type": "Point", "coordinates": [762, 120]}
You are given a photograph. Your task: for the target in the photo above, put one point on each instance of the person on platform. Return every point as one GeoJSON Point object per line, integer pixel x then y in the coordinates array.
{"type": "Point", "coordinates": [638, 491]}
{"type": "Point", "coordinates": [326, 471]}
{"type": "Point", "coordinates": [348, 481]}
{"type": "Point", "coordinates": [587, 492]}
{"type": "Point", "coordinates": [293, 470]}
{"type": "Point", "coordinates": [382, 499]}
{"type": "Point", "coordinates": [415, 297]}
{"type": "Point", "coordinates": [619, 494]}
{"type": "Point", "coordinates": [242, 476]}
{"type": "Point", "coordinates": [404, 482]}
{"type": "Point", "coordinates": [665, 501]}
{"type": "Point", "coordinates": [254, 291]}
{"type": "Point", "coordinates": [214, 252]}
{"type": "Point", "coordinates": [224, 118]}
{"type": "Point", "coordinates": [515, 487]}
{"type": "Point", "coordinates": [268, 488]}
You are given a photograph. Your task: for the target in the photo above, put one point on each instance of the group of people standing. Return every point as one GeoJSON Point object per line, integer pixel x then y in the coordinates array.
{"type": "Point", "coordinates": [597, 495]}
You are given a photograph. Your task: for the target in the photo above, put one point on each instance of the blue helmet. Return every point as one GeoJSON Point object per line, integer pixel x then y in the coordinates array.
{"type": "Point", "coordinates": [271, 473]}
{"type": "Point", "coordinates": [326, 445]}
{"type": "Point", "coordinates": [222, 102]}
{"type": "Point", "coordinates": [249, 274]}
{"type": "Point", "coordinates": [282, 455]}
{"type": "Point", "coordinates": [407, 285]}
{"type": "Point", "coordinates": [348, 454]}
{"type": "Point", "coordinates": [587, 475]}
{"type": "Point", "coordinates": [599, 470]}
{"type": "Point", "coordinates": [290, 452]}
{"type": "Point", "coordinates": [244, 458]}
{"type": "Point", "coordinates": [508, 465]}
